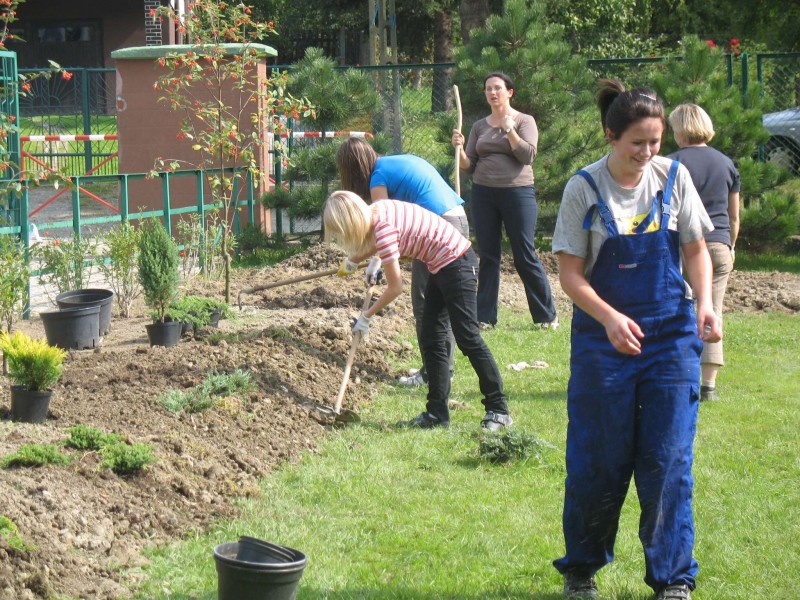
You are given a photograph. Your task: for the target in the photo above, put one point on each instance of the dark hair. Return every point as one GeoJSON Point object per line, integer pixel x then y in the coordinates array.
{"type": "Point", "coordinates": [500, 75]}
{"type": "Point", "coordinates": [621, 108]}
{"type": "Point", "coordinates": [356, 160]}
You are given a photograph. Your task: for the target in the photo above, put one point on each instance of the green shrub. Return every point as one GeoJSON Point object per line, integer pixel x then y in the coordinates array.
{"type": "Point", "coordinates": [197, 310]}
{"type": "Point", "coordinates": [227, 384]}
{"type": "Point", "coordinates": [86, 437]}
{"type": "Point", "coordinates": [509, 445]}
{"type": "Point", "coordinates": [158, 267]}
{"type": "Point", "coordinates": [120, 259]}
{"type": "Point", "coordinates": [14, 276]}
{"type": "Point", "coordinates": [126, 459]}
{"type": "Point", "coordinates": [204, 396]}
{"type": "Point", "coordinates": [35, 455]}
{"type": "Point", "coordinates": [192, 401]}
{"type": "Point", "coordinates": [768, 223]}
{"type": "Point", "coordinates": [32, 364]}
{"type": "Point", "coordinates": [10, 531]}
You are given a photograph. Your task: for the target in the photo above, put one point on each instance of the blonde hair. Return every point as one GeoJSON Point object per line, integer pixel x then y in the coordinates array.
{"type": "Point", "coordinates": [348, 222]}
{"type": "Point", "coordinates": [356, 160]}
{"type": "Point", "coordinates": [692, 124]}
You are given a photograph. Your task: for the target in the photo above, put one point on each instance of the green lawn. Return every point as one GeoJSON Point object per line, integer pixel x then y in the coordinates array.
{"type": "Point", "coordinates": [416, 515]}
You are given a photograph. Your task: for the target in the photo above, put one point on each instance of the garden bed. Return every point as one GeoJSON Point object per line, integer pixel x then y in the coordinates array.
{"type": "Point", "coordinates": [82, 523]}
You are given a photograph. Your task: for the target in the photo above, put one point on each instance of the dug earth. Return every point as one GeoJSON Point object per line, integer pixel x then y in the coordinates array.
{"type": "Point", "coordinates": [84, 527]}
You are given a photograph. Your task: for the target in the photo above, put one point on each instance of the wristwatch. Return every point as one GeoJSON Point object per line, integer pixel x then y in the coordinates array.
{"type": "Point", "coordinates": [508, 130]}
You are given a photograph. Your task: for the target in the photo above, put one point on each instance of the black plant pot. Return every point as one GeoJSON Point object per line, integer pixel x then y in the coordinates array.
{"type": "Point", "coordinates": [164, 334]}
{"type": "Point", "coordinates": [90, 297]}
{"type": "Point", "coordinates": [268, 575]}
{"type": "Point", "coordinates": [76, 328]}
{"type": "Point", "coordinates": [29, 407]}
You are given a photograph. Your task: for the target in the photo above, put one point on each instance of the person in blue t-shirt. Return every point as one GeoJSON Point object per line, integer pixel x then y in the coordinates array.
{"type": "Point", "coordinates": [412, 179]}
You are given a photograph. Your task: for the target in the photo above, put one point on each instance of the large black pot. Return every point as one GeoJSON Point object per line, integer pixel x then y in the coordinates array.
{"type": "Point", "coordinates": [164, 334]}
{"type": "Point", "coordinates": [76, 328]}
{"type": "Point", "coordinates": [269, 572]}
{"type": "Point", "coordinates": [90, 297]}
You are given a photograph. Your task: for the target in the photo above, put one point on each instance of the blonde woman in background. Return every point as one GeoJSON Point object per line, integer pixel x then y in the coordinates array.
{"type": "Point", "coordinates": [717, 181]}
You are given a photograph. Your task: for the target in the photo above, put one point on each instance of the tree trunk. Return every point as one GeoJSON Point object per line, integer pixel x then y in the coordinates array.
{"type": "Point", "coordinates": [442, 93]}
{"type": "Point", "coordinates": [473, 16]}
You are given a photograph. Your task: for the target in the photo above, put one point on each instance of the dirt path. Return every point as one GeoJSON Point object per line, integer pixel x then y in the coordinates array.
{"type": "Point", "coordinates": [81, 522]}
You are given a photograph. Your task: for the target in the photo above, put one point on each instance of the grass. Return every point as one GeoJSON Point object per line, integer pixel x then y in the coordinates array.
{"type": "Point", "coordinates": [412, 515]}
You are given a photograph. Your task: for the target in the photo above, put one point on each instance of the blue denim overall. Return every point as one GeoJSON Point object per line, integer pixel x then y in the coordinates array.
{"type": "Point", "coordinates": [634, 415]}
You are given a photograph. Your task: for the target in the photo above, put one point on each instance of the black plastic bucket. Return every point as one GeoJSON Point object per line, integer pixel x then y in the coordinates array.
{"type": "Point", "coordinates": [29, 407]}
{"type": "Point", "coordinates": [271, 574]}
{"type": "Point", "coordinates": [75, 328]}
{"type": "Point", "coordinates": [90, 297]}
{"type": "Point", "coordinates": [166, 334]}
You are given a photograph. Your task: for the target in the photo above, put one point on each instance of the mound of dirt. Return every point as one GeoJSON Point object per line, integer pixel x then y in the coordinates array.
{"type": "Point", "coordinates": [80, 523]}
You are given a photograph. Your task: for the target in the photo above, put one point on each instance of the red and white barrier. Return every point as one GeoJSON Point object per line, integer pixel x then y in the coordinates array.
{"type": "Point", "coordinates": [326, 134]}
{"type": "Point", "coordinates": [92, 137]}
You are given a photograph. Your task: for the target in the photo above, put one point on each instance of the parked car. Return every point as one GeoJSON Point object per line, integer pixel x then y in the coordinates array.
{"type": "Point", "coordinates": [783, 147]}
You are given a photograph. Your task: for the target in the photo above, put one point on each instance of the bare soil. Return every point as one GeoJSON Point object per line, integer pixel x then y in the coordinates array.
{"type": "Point", "coordinates": [83, 524]}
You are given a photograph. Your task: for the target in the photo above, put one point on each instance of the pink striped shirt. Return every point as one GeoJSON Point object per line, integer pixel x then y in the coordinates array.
{"type": "Point", "coordinates": [403, 229]}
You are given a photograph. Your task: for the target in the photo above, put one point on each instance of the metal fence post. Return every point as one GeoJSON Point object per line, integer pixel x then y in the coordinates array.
{"type": "Point", "coordinates": [165, 197]}
{"type": "Point", "coordinates": [25, 237]}
{"type": "Point", "coordinates": [87, 120]}
{"type": "Point", "coordinates": [745, 77]}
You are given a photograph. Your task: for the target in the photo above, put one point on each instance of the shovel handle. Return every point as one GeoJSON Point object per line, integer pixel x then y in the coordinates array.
{"type": "Point", "coordinates": [458, 149]}
{"type": "Point", "coordinates": [337, 407]}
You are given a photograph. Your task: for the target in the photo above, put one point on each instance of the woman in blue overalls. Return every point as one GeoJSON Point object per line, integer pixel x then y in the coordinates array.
{"type": "Point", "coordinates": [635, 363]}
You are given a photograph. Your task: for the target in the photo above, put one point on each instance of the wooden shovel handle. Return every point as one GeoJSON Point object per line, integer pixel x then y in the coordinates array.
{"type": "Point", "coordinates": [458, 148]}
{"type": "Point", "coordinates": [337, 407]}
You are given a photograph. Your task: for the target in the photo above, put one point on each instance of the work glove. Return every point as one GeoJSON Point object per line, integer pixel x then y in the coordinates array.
{"type": "Point", "coordinates": [348, 267]}
{"type": "Point", "coordinates": [374, 272]}
{"type": "Point", "coordinates": [362, 325]}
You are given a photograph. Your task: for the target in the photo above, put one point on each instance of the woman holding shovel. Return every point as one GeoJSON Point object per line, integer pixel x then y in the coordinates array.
{"type": "Point", "coordinates": [411, 179]}
{"type": "Point", "coordinates": [393, 229]}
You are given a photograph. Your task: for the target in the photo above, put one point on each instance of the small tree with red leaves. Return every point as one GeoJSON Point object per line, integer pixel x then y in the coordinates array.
{"type": "Point", "coordinates": [228, 110]}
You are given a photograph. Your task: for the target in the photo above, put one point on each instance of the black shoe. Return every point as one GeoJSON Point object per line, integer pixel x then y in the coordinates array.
{"type": "Point", "coordinates": [708, 393]}
{"type": "Point", "coordinates": [494, 421]}
{"type": "Point", "coordinates": [424, 420]}
{"type": "Point", "coordinates": [579, 587]}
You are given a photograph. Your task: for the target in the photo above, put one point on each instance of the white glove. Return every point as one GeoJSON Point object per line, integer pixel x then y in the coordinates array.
{"type": "Point", "coordinates": [374, 271]}
{"type": "Point", "coordinates": [362, 325]}
{"type": "Point", "coordinates": [348, 267]}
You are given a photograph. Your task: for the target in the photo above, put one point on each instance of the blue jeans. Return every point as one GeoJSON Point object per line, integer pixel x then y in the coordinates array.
{"type": "Point", "coordinates": [452, 293]}
{"type": "Point", "coordinates": [419, 281]}
{"type": "Point", "coordinates": [517, 210]}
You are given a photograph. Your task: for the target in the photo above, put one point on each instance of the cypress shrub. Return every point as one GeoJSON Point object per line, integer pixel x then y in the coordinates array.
{"type": "Point", "coordinates": [158, 267]}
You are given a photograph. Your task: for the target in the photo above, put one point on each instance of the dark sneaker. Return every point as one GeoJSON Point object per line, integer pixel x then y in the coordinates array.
{"type": "Point", "coordinates": [485, 326]}
{"type": "Point", "coordinates": [708, 393]}
{"type": "Point", "coordinates": [424, 420]}
{"type": "Point", "coordinates": [676, 591]}
{"type": "Point", "coordinates": [494, 421]}
{"type": "Point", "coordinates": [579, 587]}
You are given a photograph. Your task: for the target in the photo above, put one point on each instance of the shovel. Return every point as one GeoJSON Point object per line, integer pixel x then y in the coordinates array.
{"type": "Point", "coordinates": [298, 279]}
{"type": "Point", "coordinates": [348, 416]}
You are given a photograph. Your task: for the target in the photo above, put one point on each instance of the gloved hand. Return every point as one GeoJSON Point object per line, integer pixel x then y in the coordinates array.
{"type": "Point", "coordinates": [362, 325]}
{"type": "Point", "coordinates": [348, 267]}
{"type": "Point", "coordinates": [374, 271]}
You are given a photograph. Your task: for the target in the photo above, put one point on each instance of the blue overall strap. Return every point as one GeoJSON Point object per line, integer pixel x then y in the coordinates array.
{"type": "Point", "coordinates": [601, 206]}
{"type": "Point", "coordinates": [667, 195]}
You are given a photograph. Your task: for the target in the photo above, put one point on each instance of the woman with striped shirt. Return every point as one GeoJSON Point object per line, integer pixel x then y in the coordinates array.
{"type": "Point", "coordinates": [393, 229]}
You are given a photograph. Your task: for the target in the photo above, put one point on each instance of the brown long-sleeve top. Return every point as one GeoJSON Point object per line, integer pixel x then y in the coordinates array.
{"type": "Point", "coordinates": [493, 162]}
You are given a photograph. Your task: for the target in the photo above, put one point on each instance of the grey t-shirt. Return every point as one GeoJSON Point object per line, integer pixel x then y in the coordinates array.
{"type": "Point", "coordinates": [629, 206]}
{"type": "Point", "coordinates": [493, 163]}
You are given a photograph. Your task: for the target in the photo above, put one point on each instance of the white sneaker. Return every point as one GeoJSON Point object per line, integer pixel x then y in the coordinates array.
{"type": "Point", "coordinates": [550, 324]}
{"type": "Point", "coordinates": [415, 379]}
